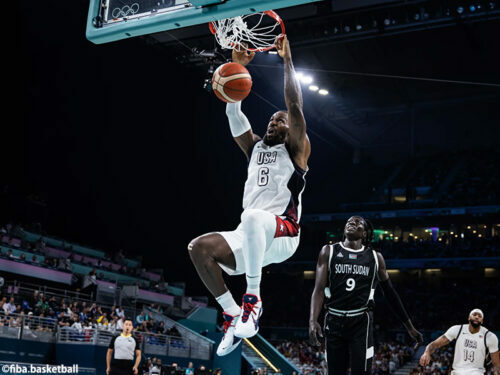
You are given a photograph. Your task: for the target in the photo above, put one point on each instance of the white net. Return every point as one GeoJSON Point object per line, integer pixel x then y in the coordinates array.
{"type": "Point", "coordinates": [257, 31]}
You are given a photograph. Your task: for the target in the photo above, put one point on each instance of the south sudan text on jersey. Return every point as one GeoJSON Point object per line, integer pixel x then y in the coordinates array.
{"type": "Point", "coordinates": [353, 269]}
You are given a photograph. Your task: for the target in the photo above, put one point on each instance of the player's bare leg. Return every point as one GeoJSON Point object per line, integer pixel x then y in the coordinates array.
{"type": "Point", "coordinates": [206, 252]}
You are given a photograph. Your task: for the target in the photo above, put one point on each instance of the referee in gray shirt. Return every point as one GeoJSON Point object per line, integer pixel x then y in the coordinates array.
{"type": "Point", "coordinates": [122, 349]}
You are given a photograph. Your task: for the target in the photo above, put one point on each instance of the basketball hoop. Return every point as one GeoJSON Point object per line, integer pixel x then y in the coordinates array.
{"type": "Point", "coordinates": [258, 31]}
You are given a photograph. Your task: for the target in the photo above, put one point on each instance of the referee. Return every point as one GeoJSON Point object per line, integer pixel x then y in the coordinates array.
{"type": "Point", "coordinates": [123, 346]}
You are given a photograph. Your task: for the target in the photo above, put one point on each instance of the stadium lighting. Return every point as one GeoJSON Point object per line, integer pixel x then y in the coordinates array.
{"type": "Point", "coordinates": [347, 28]}
{"type": "Point", "coordinates": [323, 92]}
{"type": "Point", "coordinates": [273, 52]}
{"type": "Point", "coordinates": [472, 8]}
{"type": "Point", "coordinates": [299, 75]}
{"type": "Point", "coordinates": [307, 79]}
{"type": "Point", "coordinates": [387, 22]}
{"type": "Point", "coordinates": [460, 10]}
{"type": "Point", "coordinates": [313, 88]}
{"type": "Point", "coordinates": [359, 27]}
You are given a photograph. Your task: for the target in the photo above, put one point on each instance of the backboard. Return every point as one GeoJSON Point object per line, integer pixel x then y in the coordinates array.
{"type": "Point", "coordinates": [111, 20]}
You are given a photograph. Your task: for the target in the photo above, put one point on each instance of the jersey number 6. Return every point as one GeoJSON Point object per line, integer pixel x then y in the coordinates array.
{"type": "Point", "coordinates": [263, 176]}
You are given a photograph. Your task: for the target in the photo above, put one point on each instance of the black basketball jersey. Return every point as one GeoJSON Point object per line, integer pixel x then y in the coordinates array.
{"type": "Point", "coordinates": [352, 276]}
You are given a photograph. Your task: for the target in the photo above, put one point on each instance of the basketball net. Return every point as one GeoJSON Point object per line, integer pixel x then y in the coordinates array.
{"type": "Point", "coordinates": [257, 31]}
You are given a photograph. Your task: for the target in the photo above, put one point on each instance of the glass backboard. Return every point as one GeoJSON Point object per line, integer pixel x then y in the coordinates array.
{"type": "Point", "coordinates": [111, 20]}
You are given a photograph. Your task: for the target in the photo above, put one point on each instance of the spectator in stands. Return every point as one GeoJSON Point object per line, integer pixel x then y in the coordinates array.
{"type": "Point", "coordinates": [113, 323]}
{"type": "Point", "coordinates": [90, 282]}
{"type": "Point", "coordinates": [190, 369]}
{"type": "Point", "coordinates": [10, 308]}
{"type": "Point", "coordinates": [119, 312]}
{"type": "Point", "coordinates": [9, 254]}
{"type": "Point", "coordinates": [63, 320]}
{"type": "Point", "coordinates": [140, 318]}
{"type": "Point", "coordinates": [119, 323]}
{"type": "Point", "coordinates": [146, 366]}
{"type": "Point", "coordinates": [160, 329]}
{"type": "Point", "coordinates": [102, 321]}
{"type": "Point", "coordinates": [76, 325]}
{"type": "Point", "coordinates": [23, 257]}
{"type": "Point", "coordinates": [34, 259]}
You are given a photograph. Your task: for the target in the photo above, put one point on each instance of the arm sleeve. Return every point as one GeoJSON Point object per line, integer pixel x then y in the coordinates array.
{"type": "Point", "coordinates": [112, 343]}
{"type": "Point", "coordinates": [394, 301]}
{"type": "Point", "coordinates": [452, 333]}
{"type": "Point", "coordinates": [238, 122]}
{"type": "Point", "coordinates": [137, 347]}
{"type": "Point", "coordinates": [492, 342]}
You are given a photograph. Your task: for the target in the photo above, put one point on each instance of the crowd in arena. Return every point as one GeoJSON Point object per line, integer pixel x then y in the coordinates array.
{"type": "Point", "coordinates": [12, 237]}
{"type": "Point", "coordinates": [43, 312]}
{"type": "Point", "coordinates": [311, 360]}
{"type": "Point", "coordinates": [448, 246]}
{"type": "Point", "coordinates": [441, 363]}
{"type": "Point", "coordinates": [155, 366]}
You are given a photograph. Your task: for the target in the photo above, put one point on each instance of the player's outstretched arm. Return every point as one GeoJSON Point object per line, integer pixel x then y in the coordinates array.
{"type": "Point", "coordinates": [318, 295]}
{"type": "Point", "coordinates": [495, 358]}
{"type": "Point", "coordinates": [395, 302]}
{"type": "Point", "coordinates": [425, 359]}
{"type": "Point", "coordinates": [297, 137]}
{"type": "Point", "coordinates": [238, 122]}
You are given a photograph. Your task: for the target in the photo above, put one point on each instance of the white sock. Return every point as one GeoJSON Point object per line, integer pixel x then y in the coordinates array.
{"type": "Point", "coordinates": [226, 301]}
{"type": "Point", "coordinates": [259, 228]}
{"type": "Point", "coordinates": [253, 284]}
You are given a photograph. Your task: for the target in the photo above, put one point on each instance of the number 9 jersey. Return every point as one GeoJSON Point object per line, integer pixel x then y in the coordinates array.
{"type": "Point", "coordinates": [274, 183]}
{"type": "Point", "coordinates": [352, 276]}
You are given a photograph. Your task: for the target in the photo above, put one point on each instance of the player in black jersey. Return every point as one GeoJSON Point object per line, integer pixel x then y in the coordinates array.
{"type": "Point", "coordinates": [347, 274]}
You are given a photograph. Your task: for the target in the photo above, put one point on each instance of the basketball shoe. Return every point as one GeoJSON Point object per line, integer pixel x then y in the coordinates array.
{"type": "Point", "coordinates": [248, 325]}
{"type": "Point", "coordinates": [229, 342]}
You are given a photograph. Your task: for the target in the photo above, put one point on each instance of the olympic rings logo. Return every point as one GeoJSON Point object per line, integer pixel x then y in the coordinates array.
{"type": "Point", "coordinates": [125, 11]}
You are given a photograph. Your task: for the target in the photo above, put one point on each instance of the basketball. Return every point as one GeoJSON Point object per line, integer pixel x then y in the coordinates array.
{"type": "Point", "coordinates": [231, 82]}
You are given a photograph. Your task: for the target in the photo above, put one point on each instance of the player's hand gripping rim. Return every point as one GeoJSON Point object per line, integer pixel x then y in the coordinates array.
{"type": "Point", "coordinates": [315, 331]}
{"type": "Point", "coordinates": [283, 46]}
{"type": "Point", "coordinates": [241, 55]}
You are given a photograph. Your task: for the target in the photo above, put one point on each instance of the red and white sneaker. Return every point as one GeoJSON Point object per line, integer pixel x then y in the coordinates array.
{"type": "Point", "coordinates": [248, 325]}
{"type": "Point", "coordinates": [229, 342]}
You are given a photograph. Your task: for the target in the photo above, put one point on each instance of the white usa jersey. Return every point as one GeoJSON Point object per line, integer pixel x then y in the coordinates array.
{"type": "Point", "coordinates": [274, 183]}
{"type": "Point", "coordinates": [471, 349]}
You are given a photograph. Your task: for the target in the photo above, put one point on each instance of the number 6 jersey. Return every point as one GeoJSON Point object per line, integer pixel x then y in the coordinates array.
{"type": "Point", "coordinates": [471, 348]}
{"type": "Point", "coordinates": [274, 183]}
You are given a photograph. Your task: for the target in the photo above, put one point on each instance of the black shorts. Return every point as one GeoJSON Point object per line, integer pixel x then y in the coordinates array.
{"type": "Point", "coordinates": [122, 367]}
{"type": "Point", "coordinates": [349, 344]}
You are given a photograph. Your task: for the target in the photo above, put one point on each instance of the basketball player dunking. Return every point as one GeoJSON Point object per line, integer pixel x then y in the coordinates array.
{"type": "Point", "coordinates": [269, 230]}
{"type": "Point", "coordinates": [346, 274]}
{"type": "Point", "coordinates": [473, 349]}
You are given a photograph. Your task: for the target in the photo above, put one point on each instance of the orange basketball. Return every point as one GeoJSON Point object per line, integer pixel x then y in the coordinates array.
{"type": "Point", "coordinates": [231, 82]}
